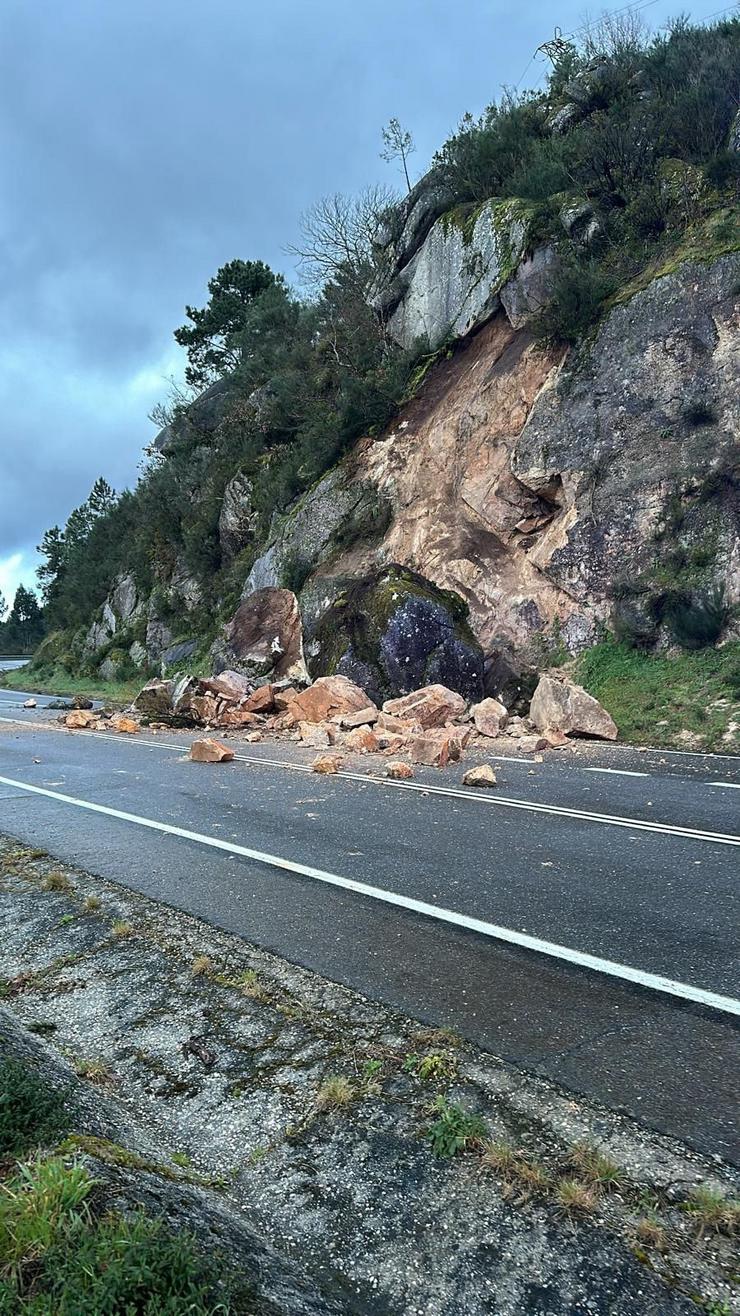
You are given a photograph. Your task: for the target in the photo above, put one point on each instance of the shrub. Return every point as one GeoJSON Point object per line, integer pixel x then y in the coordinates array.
{"type": "Point", "coordinates": [578, 294]}
{"type": "Point", "coordinates": [697, 623]}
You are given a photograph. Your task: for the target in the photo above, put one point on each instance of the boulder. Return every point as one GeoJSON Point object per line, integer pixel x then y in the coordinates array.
{"type": "Point", "coordinates": [399, 771]}
{"type": "Point", "coordinates": [264, 636]}
{"type": "Point", "coordinates": [29, 703]}
{"type": "Point", "coordinates": [81, 701]}
{"type": "Point", "coordinates": [329, 697]}
{"type": "Point", "coordinates": [210, 751]}
{"type": "Point", "coordinates": [232, 685]}
{"type": "Point", "coordinates": [327, 763]}
{"type": "Point", "coordinates": [366, 717]}
{"type": "Point", "coordinates": [362, 741]}
{"type": "Point", "coordinates": [482, 775]}
{"type": "Point", "coordinates": [127, 726]}
{"type": "Point", "coordinates": [532, 744]}
{"type": "Point", "coordinates": [395, 631]}
{"type": "Point", "coordinates": [564, 706]}
{"type": "Point", "coordinates": [432, 706]}
{"type": "Point", "coordinates": [530, 287]}
{"type": "Point", "coordinates": [317, 735]}
{"type": "Point", "coordinates": [237, 520]}
{"type": "Point", "coordinates": [79, 719]}
{"type": "Point", "coordinates": [261, 700]}
{"type": "Point", "coordinates": [435, 748]}
{"type": "Point", "coordinates": [489, 717]}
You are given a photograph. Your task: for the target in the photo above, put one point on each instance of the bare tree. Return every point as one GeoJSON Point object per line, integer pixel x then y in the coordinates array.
{"type": "Point", "coordinates": [337, 236]}
{"type": "Point", "coordinates": [616, 35]}
{"type": "Point", "coordinates": [398, 144]}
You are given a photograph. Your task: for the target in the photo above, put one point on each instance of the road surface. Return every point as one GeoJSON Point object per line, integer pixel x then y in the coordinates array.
{"type": "Point", "coordinates": [476, 910]}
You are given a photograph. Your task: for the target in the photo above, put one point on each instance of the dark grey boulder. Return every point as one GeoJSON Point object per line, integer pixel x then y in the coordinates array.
{"type": "Point", "coordinates": [394, 632]}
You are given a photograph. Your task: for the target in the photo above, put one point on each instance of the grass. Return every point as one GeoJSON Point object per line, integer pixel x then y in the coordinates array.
{"type": "Point", "coordinates": [575, 1197]}
{"type": "Point", "coordinates": [653, 699]}
{"type": "Point", "coordinates": [712, 1212]}
{"type": "Point", "coordinates": [595, 1168]}
{"type": "Point", "coordinates": [335, 1093]}
{"type": "Point", "coordinates": [455, 1129]}
{"type": "Point", "coordinates": [59, 1254]}
{"type": "Point", "coordinates": [202, 966]}
{"type": "Point", "coordinates": [91, 904]}
{"type": "Point", "coordinates": [94, 1070]}
{"type": "Point", "coordinates": [58, 682]}
{"type": "Point", "coordinates": [434, 1065]}
{"type": "Point", "coordinates": [56, 881]}
{"type": "Point", "coordinates": [121, 928]}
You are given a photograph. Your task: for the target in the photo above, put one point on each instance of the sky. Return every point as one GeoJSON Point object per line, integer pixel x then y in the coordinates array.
{"type": "Point", "coordinates": [144, 143]}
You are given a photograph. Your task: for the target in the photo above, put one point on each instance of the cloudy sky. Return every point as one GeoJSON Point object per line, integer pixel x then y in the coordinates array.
{"type": "Point", "coordinates": [145, 142]}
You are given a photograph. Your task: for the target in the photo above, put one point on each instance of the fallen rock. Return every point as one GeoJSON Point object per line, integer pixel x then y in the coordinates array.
{"type": "Point", "coordinates": [532, 744]}
{"type": "Point", "coordinates": [329, 696]}
{"type": "Point", "coordinates": [264, 636]}
{"type": "Point", "coordinates": [482, 775]}
{"type": "Point", "coordinates": [399, 771]}
{"type": "Point", "coordinates": [436, 748]}
{"type": "Point", "coordinates": [362, 741]}
{"type": "Point", "coordinates": [564, 706]}
{"type": "Point", "coordinates": [283, 697]}
{"type": "Point", "coordinates": [317, 735]}
{"type": "Point", "coordinates": [366, 717]}
{"type": "Point", "coordinates": [489, 717]}
{"type": "Point", "coordinates": [261, 700]}
{"type": "Point", "coordinates": [127, 726]}
{"type": "Point", "coordinates": [154, 701]}
{"type": "Point", "coordinates": [327, 763]}
{"type": "Point", "coordinates": [237, 717]}
{"type": "Point", "coordinates": [210, 751]}
{"type": "Point", "coordinates": [395, 632]}
{"type": "Point", "coordinates": [431, 706]}
{"type": "Point", "coordinates": [79, 719]}
{"type": "Point", "coordinates": [253, 737]}
{"type": "Point", "coordinates": [233, 685]}
{"type": "Point", "coordinates": [81, 701]}
{"type": "Point", "coordinates": [396, 726]}
{"type": "Point", "coordinates": [555, 739]}
{"type": "Point", "coordinates": [30, 703]}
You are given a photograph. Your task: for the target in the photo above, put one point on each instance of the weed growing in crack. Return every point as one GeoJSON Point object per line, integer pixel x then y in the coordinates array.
{"type": "Point", "coordinates": [56, 881]}
{"type": "Point", "coordinates": [121, 928]}
{"type": "Point", "coordinates": [94, 1070]}
{"type": "Point", "coordinates": [202, 966]}
{"type": "Point", "coordinates": [575, 1197]}
{"type": "Point", "coordinates": [433, 1066]}
{"type": "Point", "coordinates": [454, 1129]}
{"type": "Point", "coordinates": [649, 1231]}
{"type": "Point", "coordinates": [335, 1092]}
{"type": "Point", "coordinates": [595, 1168]}
{"type": "Point", "coordinates": [91, 904]}
{"type": "Point", "coordinates": [711, 1212]}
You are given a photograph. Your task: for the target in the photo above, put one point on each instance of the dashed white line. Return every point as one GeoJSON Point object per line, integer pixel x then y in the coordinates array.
{"type": "Point", "coordinates": [618, 772]}
{"type": "Point", "coordinates": [654, 982]}
{"type": "Point", "coordinates": [728, 785]}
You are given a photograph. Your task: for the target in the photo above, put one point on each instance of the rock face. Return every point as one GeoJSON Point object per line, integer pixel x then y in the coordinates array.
{"type": "Point", "coordinates": [396, 631]}
{"type": "Point", "coordinates": [237, 521]}
{"type": "Point", "coordinates": [452, 282]}
{"type": "Point", "coordinates": [264, 636]}
{"type": "Point", "coordinates": [202, 417]}
{"type": "Point", "coordinates": [563, 706]}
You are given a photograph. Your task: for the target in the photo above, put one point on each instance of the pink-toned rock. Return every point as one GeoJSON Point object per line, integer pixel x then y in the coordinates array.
{"type": "Point", "coordinates": [234, 685]}
{"type": "Point", "coordinates": [460, 734]}
{"type": "Point", "coordinates": [489, 717]}
{"type": "Point", "coordinates": [283, 697]}
{"type": "Point", "coordinates": [431, 706]}
{"type": "Point", "coordinates": [284, 721]}
{"type": "Point", "coordinates": [555, 739]}
{"type": "Point", "coordinates": [564, 706]}
{"type": "Point", "coordinates": [127, 726]}
{"type": "Point", "coordinates": [362, 741]}
{"type": "Point", "coordinates": [317, 735]}
{"type": "Point", "coordinates": [261, 700]}
{"type": "Point", "coordinates": [399, 771]}
{"type": "Point", "coordinates": [79, 719]}
{"type": "Point", "coordinates": [253, 737]}
{"type": "Point", "coordinates": [398, 726]}
{"type": "Point", "coordinates": [366, 717]}
{"type": "Point", "coordinates": [329, 696]}
{"type": "Point", "coordinates": [327, 764]}
{"type": "Point", "coordinates": [237, 717]}
{"type": "Point", "coordinates": [482, 775]}
{"type": "Point", "coordinates": [391, 744]}
{"type": "Point", "coordinates": [204, 708]}
{"type": "Point", "coordinates": [265, 635]}
{"type": "Point", "coordinates": [532, 744]}
{"type": "Point", "coordinates": [210, 751]}
{"type": "Point", "coordinates": [436, 748]}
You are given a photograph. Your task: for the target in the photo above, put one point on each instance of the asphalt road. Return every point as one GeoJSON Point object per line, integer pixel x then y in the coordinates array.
{"type": "Point", "coordinates": [630, 859]}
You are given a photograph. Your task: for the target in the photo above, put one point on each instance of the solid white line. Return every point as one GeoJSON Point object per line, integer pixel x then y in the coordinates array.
{"type": "Point", "coordinates": [684, 991]}
{"type": "Point", "coordinates": [482, 797]}
{"type": "Point", "coordinates": [618, 772]}
{"type": "Point", "coordinates": [728, 785]}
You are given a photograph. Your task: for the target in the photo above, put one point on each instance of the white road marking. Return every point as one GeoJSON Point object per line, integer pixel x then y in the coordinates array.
{"type": "Point", "coordinates": [618, 772]}
{"type": "Point", "coordinates": [728, 785]}
{"type": "Point", "coordinates": [655, 982]}
{"type": "Point", "coordinates": [481, 797]}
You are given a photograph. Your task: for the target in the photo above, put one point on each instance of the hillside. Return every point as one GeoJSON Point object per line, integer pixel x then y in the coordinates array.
{"type": "Point", "coordinates": [502, 436]}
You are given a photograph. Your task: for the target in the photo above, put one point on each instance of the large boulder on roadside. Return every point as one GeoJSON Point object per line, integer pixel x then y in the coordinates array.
{"type": "Point", "coordinates": [561, 705]}
{"type": "Point", "coordinates": [154, 701]}
{"type": "Point", "coordinates": [432, 706]}
{"type": "Point", "coordinates": [395, 631]}
{"type": "Point", "coordinates": [264, 637]}
{"type": "Point", "coordinates": [489, 716]}
{"type": "Point", "coordinates": [329, 697]}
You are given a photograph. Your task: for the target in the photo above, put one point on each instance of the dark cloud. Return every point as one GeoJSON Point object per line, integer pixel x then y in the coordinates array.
{"type": "Point", "coordinates": [145, 142]}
